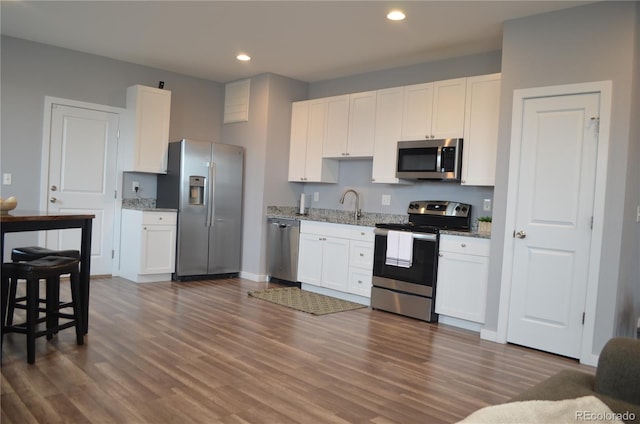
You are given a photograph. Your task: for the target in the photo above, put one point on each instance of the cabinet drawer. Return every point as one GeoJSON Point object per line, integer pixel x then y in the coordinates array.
{"type": "Point", "coordinates": [360, 282]}
{"type": "Point", "coordinates": [159, 218]}
{"type": "Point", "coordinates": [361, 255]}
{"type": "Point", "coordinates": [465, 245]}
{"type": "Point", "coordinates": [346, 231]}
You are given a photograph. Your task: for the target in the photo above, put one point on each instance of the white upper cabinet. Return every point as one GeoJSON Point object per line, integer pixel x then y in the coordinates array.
{"type": "Point", "coordinates": [350, 125]}
{"type": "Point", "coordinates": [388, 130]}
{"type": "Point", "coordinates": [434, 110]}
{"type": "Point", "coordinates": [417, 107]}
{"type": "Point", "coordinates": [145, 135]}
{"type": "Point", "coordinates": [481, 130]}
{"type": "Point", "coordinates": [448, 108]}
{"type": "Point", "coordinates": [306, 164]}
{"type": "Point", "coordinates": [337, 126]}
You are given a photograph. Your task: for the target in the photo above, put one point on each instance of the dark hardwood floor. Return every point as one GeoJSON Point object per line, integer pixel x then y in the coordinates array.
{"type": "Point", "coordinates": [205, 352]}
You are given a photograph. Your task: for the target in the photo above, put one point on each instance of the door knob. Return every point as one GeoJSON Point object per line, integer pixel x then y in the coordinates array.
{"type": "Point", "coordinates": [53, 200]}
{"type": "Point", "coordinates": [53, 188]}
{"type": "Point", "coordinates": [521, 234]}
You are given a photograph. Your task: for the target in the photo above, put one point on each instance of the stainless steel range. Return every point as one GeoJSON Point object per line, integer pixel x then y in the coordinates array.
{"type": "Point", "coordinates": [405, 263]}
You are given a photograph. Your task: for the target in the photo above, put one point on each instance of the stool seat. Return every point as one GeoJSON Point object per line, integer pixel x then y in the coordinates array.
{"type": "Point", "coordinates": [48, 268]}
{"type": "Point", "coordinates": [30, 253]}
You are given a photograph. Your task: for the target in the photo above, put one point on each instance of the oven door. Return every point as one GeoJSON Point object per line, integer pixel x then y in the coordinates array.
{"type": "Point", "coordinates": [423, 268]}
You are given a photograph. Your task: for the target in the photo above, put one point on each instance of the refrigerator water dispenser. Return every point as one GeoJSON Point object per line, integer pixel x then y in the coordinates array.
{"type": "Point", "coordinates": [196, 190]}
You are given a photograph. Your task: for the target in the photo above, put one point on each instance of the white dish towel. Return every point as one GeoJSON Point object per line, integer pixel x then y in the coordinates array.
{"type": "Point", "coordinates": [399, 249]}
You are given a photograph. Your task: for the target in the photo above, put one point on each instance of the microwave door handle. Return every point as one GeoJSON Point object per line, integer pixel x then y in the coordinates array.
{"type": "Point", "coordinates": [439, 160]}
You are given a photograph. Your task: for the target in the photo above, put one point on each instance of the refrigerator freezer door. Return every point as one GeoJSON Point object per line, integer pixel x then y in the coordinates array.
{"type": "Point", "coordinates": [192, 246]}
{"type": "Point", "coordinates": [225, 234]}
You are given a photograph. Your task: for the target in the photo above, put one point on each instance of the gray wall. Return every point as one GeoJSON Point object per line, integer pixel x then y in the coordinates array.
{"type": "Point", "coordinates": [591, 43]}
{"type": "Point", "coordinates": [265, 137]}
{"type": "Point", "coordinates": [31, 71]}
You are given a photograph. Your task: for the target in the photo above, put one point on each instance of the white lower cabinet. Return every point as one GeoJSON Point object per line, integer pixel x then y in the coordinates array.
{"type": "Point", "coordinates": [148, 243]}
{"type": "Point", "coordinates": [336, 257]}
{"type": "Point", "coordinates": [463, 269]}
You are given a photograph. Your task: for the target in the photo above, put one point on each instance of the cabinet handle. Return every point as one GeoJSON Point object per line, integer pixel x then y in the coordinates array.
{"type": "Point", "coordinates": [361, 254]}
{"type": "Point", "coordinates": [463, 244]}
{"type": "Point", "coordinates": [440, 254]}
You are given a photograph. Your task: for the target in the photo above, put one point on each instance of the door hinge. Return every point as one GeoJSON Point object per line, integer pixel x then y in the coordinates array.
{"type": "Point", "coordinates": [115, 194]}
{"type": "Point", "coordinates": [592, 223]}
{"type": "Point", "coordinates": [113, 253]}
{"type": "Point", "coordinates": [596, 121]}
{"type": "Point", "coordinates": [583, 314]}
{"type": "Point", "coordinates": [118, 134]}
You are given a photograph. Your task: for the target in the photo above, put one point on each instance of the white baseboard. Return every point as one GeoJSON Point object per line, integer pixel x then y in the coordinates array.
{"type": "Point", "coordinates": [253, 277]}
{"type": "Point", "coordinates": [460, 323]}
{"type": "Point", "coordinates": [489, 335]}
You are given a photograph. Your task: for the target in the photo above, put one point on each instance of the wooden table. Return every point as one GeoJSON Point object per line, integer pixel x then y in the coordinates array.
{"type": "Point", "coordinates": [24, 220]}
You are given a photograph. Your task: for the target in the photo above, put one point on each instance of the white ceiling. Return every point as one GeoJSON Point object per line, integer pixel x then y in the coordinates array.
{"type": "Point", "coordinates": [305, 40]}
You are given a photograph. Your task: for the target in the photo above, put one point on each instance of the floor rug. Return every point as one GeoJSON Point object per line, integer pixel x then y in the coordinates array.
{"type": "Point", "coordinates": [305, 301]}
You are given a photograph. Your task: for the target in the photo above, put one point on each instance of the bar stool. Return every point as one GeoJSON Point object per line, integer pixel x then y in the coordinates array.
{"type": "Point", "coordinates": [49, 268]}
{"type": "Point", "coordinates": [25, 254]}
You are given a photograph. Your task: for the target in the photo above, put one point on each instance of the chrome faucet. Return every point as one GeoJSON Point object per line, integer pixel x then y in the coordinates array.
{"type": "Point", "coordinates": [357, 213]}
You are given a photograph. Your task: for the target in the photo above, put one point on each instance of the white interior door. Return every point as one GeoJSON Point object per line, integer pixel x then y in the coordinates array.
{"type": "Point", "coordinates": [554, 215]}
{"type": "Point", "coordinates": [82, 177]}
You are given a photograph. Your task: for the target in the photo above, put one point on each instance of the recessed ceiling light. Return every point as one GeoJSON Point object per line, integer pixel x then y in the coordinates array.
{"type": "Point", "coordinates": [396, 15]}
{"type": "Point", "coordinates": [243, 57]}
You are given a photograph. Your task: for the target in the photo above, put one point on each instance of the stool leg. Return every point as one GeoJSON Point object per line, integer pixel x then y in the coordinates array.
{"type": "Point", "coordinates": [32, 316]}
{"type": "Point", "coordinates": [4, 293]}
{"type": "Point", "coordinates": [53, 303]}
{"type": "Point", "coordinates": [13, 286]}
{"type": "Point", "coordinates": [77, 308]}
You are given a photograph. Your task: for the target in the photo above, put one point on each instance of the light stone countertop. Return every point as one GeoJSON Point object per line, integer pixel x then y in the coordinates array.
{"type": "Point", "coordinates": [368, 219]}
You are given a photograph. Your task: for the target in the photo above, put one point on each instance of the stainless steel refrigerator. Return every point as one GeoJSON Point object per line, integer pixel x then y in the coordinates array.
{"type": "Point", "coordinates": [204, 182]}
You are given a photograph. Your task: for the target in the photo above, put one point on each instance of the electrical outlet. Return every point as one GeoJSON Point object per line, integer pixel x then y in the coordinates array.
{"type": "Point", "coordinates": [486, 205]}
{"type": "Point", "coordinates": [6, 179]}
{"type": "Point", "coordinates": [135, 186]}
{"type": "Point", "coordinates": [316, 196]}
{"type": "Point", "coordinates": [386, 199]}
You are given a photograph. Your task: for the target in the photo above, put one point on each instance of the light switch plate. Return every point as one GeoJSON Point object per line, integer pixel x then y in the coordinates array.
{"type": "Point", "coordinates": [386, 199]}
{"type": "Point", "coordinates": [316, 196]}
{"type": "Point", "coordinates": [6, 178]}
{"type": "Point", "coordinates": [486, 205]}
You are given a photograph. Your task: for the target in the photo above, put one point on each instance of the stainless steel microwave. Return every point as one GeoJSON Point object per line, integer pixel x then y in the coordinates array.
{"type": "Point", "coordinates": [430, 159]}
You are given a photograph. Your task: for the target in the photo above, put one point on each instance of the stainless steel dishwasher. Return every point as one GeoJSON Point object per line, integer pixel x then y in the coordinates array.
{"type": "Point", "coordinates": [282, 249]}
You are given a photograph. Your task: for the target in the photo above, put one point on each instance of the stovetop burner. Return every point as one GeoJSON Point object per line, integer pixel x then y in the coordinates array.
{"type": "Point", "coordinates": [431, 216]}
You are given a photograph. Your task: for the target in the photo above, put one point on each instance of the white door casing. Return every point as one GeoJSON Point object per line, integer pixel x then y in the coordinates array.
{"type": "Point", "coordinates": [547, 215]}
{"type": "Point", "coordinates": [79, 174]}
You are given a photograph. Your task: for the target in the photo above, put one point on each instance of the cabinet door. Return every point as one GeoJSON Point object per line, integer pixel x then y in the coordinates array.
{"type": "Point", "coordinates": [157, 251]}
{"type": "Point", "coordinates": [362, 118]}
{"type": "Point", "coordinates": [310, 259]}
{"type": "Point", "coordinates": [152, 113]}
{"type": "Point", "coordinates": [448, 108]}
{"type": "Point", "coordinates": [315, 139]}
{"type": "Point", "coordinates": [388, 130]}
{"type": "Point", "coordinates": [417, 111]}
{"type": "Point", "coordinates": [462, 286]}
{"type": "Point", "coordinates": [298, 140]}
{"type": "Point", "coordinates": [481, 130]}
{"type": "Point", "coordinates": [337, 127]}
{"type": "Point", "coordinates": [335, 263]}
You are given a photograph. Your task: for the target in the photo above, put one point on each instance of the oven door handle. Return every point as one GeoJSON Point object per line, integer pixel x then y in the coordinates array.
{"type": "Point", "coordinates": [416, 236]}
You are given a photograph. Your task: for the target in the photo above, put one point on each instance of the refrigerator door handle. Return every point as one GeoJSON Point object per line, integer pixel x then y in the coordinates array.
{"type": "Point", "coordinates": [211, 208]}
